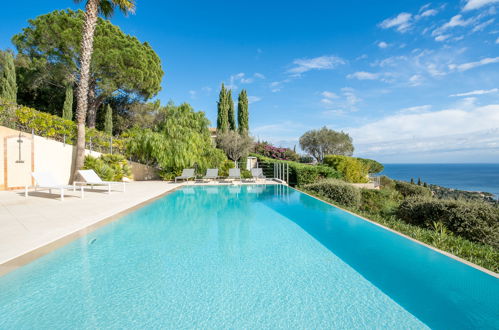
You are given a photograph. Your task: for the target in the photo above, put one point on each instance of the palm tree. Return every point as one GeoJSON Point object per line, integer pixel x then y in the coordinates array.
{"type": "Point", "coordinates": [92, 10]}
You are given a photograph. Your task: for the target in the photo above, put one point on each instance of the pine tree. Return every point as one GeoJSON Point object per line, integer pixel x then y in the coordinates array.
{"type": "Point", "coordinates": [8, 86]}
{"type": "Point", "coordinates": [242, 113]}
{"type": "Point", "coordinates": [231, 111]}
{"type": "Point", "coordinates": [67, 108]}
{"type": "Point", "coordinates": [108, 120]}
{"type": "Point", "coordinates": [223, 111]}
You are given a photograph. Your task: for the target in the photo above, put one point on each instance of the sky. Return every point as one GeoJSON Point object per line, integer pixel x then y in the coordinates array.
{"type": "Point", "coordinates": [410, 81]}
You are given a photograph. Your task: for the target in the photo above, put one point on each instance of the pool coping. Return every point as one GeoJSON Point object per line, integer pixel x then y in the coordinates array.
{"type": "Point", "coordinates": [466, 262]}
{"type": "Point", "coordinates": [30, 256]}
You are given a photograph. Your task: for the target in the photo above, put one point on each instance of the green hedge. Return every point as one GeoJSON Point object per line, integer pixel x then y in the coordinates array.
{"type": "Point", "coordinates": [299, 174]}
{"type": "Point", "coordinates": [476, 221]}
{"type": "Point", "coordinates": [336, 190]}
{"type": "Point", "coordinates": [411, 189]}
{"type": "Point", "coordinates": [44, 124]}
{"type": "Point", "coordinates": [379, 201]}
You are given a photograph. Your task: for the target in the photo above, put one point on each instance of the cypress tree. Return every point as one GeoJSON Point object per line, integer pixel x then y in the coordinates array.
{"type": "Point", "coordinates": [412, 180]}
{"type": "Point", "coordinates": [419, 181]}
{"type": "Point", "coordinates": [223, 111]}
{"type": "Point", "coordinates": [8, 85]}
{"type": "Point", "coordinates": [67, 108]}
{"type": "Point", "coordinates": [242, 112]}
{"type": "Point", "coordinates": [231, 111]}
{"type": "Point", "coordinates": [108, 120]}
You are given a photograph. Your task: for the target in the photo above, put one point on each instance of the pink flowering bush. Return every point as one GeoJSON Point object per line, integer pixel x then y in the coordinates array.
{"type": "Point", "coordinates": [268, 150]}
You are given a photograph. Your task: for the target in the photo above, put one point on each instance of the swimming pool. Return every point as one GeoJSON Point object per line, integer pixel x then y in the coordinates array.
{"type": "Point", "coordinates": [246, 257]}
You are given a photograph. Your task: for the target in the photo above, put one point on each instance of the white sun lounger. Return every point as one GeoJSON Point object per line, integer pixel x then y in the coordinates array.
{"type": "Point", "coordinates": [45, 181]}
{"type": "Point", "coordinates": [211, 174]}
{"type": "Point", "coordinates": [234, 173]}
{"type": "Point", "coordinates": [187, 173]}
{"type": "Point", "coordinates": [91, 178]}
{"type": "Point", "coordinates": [257, 173]}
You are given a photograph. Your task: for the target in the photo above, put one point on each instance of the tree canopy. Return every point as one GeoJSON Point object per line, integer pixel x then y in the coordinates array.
{"type": "Point", "coordinates": [325, 141]}
{"type": "Point", "coordinates": [223, 110]}
{"type": "Point", "coordinates": [242, 112]}
{"type": "Point", "coordinates": [234, 145]}
{"type": "Point", "coordinates": [8, 85]}
{"type": "Point", "coordinates": [180, 139]}
{"type": "Point", "coordinates": [49, 51]}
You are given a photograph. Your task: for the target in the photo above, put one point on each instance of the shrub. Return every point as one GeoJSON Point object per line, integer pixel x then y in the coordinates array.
{"type": "Point", "coordinates": [352, 169]}
{"type": "Point", "coordinates": [245, 174]}
{"type": "Point", "coordinates": [302, 174]}
{"type": "Point", "coordinates": [476, 221]}
{"type": "Point", "coordinates": [411, 190]}
{"type": "Point", "coordinates": [306, 159]}
{"type": "Point", "coordinates": [108, 167]}
{"type": "Point", "coordinates": [336, 190]}
{"type": "Point", "coordinates": [268, 150]}
{"type": "Point", "coordinates": [382, 201]}
{"type": "Point", "coordinates": [371, 165]}
{"type": "Point", "coordinates": [224, 167]}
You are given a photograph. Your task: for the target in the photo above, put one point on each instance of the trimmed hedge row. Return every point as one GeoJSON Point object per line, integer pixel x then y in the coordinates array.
{"type": "Point", "coordinates": [44, 124]}
{"type": "Point", "coordinates": [300, 174]}
{"type": "Point", "coordinates": [476, 221]}
{"type": "Point", "coordinates": [337, 191]}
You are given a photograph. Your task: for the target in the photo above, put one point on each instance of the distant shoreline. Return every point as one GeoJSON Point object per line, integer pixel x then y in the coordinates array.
{"type": "Point", "coordinates": [474, 178]}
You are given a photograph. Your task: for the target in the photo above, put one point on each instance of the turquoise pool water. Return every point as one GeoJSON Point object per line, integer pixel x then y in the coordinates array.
{"type": "Point", "coordinates": [246, 257]}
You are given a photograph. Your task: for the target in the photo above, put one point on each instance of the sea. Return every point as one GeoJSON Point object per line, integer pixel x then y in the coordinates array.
{"type": "Point", "coordinates": [468, 177]}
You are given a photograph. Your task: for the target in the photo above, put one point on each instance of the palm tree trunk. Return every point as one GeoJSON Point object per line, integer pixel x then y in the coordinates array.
{"type": "Point", "coordinates": [87, 41]}
{"type": "Point", "coordinates": [91, 107]}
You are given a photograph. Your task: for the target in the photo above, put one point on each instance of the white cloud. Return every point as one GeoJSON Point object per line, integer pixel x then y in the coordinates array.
{"type": "Point", "coordinates": [456, 21]}
{"type": "Point", "coordinates": [317, 63]}
{"type": "Point", "coordinates": [416, 80]}
{"type": "Point", "coordinates": [428, 13]}
{"type": "Point", "coordinates": [329, 95]}
{"type": "Point", "coordinates": [363, 75]}
{"type": "Point", "coordinates": [382, 44]}
{"type": "Point", "coordinates": [346, 102]}
{"type": "Point", "coordinates": [416, 109]}
{"type": "Point", "coordinates": [241, 78]}
{"type": "Point", "coordinates": [401, 22]}
{"type": "Point", "coordinates": [449, 130]}
{"type": "Point", "coordinates": [253, 99]}
{"type": "Point", "coordinates": [326, 101]}
{"type": "Point", "coordinates": [483, 25]}
{"type": "Point", "coordinates": [471, 65]}
{"type": "Point", "coordinates": [442, 37]}
{"type": "Point", "coordinates": [475, 4]}
{"type": "Point", "coordinates": [497, 40]}
{"type": "Point", "coordinates": [192, 94]}
{"type": "Point", "coordinates": [477, 92]}
{"type": "Point", "coordinates": [206, 89]}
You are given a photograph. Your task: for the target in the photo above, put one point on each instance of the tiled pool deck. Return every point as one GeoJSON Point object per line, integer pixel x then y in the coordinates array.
{"type": "Point", "coordinates": [32, 226]}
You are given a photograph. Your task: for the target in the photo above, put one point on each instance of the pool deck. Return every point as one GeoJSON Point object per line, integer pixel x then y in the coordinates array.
{"type": "Point", "coordinates": [33, 226]}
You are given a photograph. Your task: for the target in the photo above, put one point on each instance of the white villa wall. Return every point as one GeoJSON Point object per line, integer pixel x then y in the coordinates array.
{"type": "Point", "coordinates": [42, 154]}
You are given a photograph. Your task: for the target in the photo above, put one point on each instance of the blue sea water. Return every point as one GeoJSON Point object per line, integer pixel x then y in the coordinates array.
{"type": "Point", "coordinates": [470, 177]}
{"type": "Point", "coordinates": [246, 257]}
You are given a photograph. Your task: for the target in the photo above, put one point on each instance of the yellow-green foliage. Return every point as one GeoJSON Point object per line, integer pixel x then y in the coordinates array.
{"type": "Point", "coordinates": [109, 167]}
{"type": "Point", "coordinates": [54, 127]}
{"type": "Point", "coordinates": [351, 168]}
{"type": "Point", "coordinates": [225, 166]}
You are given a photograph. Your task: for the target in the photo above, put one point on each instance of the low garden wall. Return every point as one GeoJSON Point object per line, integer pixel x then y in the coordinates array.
{"type": "Point", "coordinates": [36, 153]}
